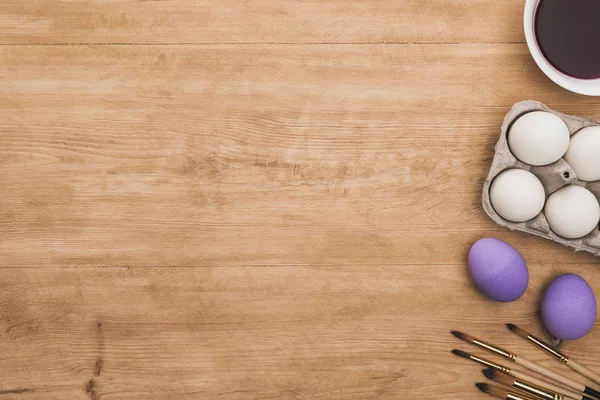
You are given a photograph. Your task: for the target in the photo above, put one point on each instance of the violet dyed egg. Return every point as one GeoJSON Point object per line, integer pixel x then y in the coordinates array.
{"type": "Point", "coordinates": [498, 270]}
{"type": "Point", "coordinates": [569, 307]}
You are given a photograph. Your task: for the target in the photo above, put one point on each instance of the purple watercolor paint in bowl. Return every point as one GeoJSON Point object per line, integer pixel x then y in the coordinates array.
{"type": "Point", "coordinates": [562, 36]}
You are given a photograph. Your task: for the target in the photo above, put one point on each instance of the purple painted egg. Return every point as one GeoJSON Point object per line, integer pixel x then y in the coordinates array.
{"type": "Point", "coordinates": [498, 270]}
{"type": "Point", "coordinates": [569, 307]}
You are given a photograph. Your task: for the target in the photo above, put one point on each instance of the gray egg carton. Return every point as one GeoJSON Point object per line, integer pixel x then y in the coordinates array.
{"type": "Point", "coordinates": [553, 177]}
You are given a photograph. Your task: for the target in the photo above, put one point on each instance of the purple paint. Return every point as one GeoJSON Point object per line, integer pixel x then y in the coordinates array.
{"type": "Point", "coordinates": [567, 34]}
{"type": "Point", "coordinates": [569, 307]}
{"type": "Point", "coordinates": [498, 270]}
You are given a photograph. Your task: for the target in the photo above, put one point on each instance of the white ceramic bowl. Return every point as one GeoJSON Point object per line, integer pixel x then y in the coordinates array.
{"type": "Point", "coordinates": [589, 87]}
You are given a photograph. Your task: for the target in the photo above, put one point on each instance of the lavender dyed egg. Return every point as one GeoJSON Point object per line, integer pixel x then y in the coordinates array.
{"type": "Point", "coordinates": [498, 270]}
{"type": "Point", "coordinates": [569, 307]}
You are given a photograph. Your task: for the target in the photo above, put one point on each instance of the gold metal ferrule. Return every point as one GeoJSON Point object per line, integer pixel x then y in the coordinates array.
{"type": "Point", "coordinates": [497, 350]}
{"type": "Point", "coordinates": [564, 359]}
{"type": "Point", "coordinates": [490, 364]}
{"type": "Point", "coordinates": [512, 396]}
{"type": "Point", "coordinates": [536, 390]}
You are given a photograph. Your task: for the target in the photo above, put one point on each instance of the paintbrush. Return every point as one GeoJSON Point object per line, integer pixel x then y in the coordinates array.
{"type": "Point", "coordinates": [518, 374]}
{"type": "Point", "coordinates": [525, 386]}
{"type": "Point", "coordinates": [554, 353]}
{"type": "Point", "coordinates": [529, 364]}
{"type": "Point", "coordinates": [501, 392]}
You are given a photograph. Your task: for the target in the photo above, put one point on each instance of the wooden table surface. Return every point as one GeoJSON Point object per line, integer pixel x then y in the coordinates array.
{"type": "Point", "coordinates": [258, 199]}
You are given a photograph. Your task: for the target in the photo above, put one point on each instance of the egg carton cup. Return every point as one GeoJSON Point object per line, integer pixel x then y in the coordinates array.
{"type": "Point", "coordinates": [553, 177]}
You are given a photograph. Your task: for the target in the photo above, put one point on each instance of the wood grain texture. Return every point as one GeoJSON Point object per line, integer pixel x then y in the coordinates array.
{"type": "Point", "coordinates": [255, 155]}
{"type": "Point", "coordinates": [260, 21]}
{"type": "Point", "coordinates": [285, 332]}
{"type": "Point", "coordinates": [257, 199]}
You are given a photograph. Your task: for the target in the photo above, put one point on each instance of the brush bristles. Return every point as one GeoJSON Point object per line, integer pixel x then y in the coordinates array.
{"type": "Point", "coordinates": [492, 390]}
{"type": "Point", "coordinates": [461, 353]}
{"type": "Point", "coordinates": [463, 336]}
{"type": "Point", "coordinates": [499, 377]}
{"type": "Point", "coordinates": [517, 330]}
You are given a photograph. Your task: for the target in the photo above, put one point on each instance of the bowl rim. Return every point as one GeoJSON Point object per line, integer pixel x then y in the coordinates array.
{"type": "Point", "coordinates": [588, 87]}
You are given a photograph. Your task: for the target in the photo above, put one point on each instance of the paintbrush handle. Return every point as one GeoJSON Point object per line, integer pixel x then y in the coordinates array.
{"type": "Point", "coordinates": [550, 374]}
{"type": "Point", "coordinates": [584, 371]}
{"type": "Point", "coordinates": [543, 384]}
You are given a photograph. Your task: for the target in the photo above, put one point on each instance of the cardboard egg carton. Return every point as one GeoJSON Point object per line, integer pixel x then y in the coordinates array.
{"type": "Point", "coordinates": [553, 177]}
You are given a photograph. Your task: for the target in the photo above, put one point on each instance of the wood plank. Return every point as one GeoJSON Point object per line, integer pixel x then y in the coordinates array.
{"type": "Point", "coordinates": [256, 155]}
{"type": "Point", "coordinates": [255, 333]}
{"type": "Point", "coordinates": [260, 21]}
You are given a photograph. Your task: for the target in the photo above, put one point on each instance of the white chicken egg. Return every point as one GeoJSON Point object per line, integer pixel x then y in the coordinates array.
{"type": "Point", "coordinates": [583, 154]}
{"type": "Point", "coordinates": [517, 195]}
{"type": "Point", "coordinates": [538, 138]}
{"type": "Point", "coordinates": [572, 212]}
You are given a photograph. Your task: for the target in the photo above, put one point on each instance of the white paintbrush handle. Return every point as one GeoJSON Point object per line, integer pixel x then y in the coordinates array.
{"type": "Point", "coordinates": [584, 371]}
{"type": "Point", "coordinates": [550, 374]}
{"type": "Point", "coordinates": [543, 384]}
